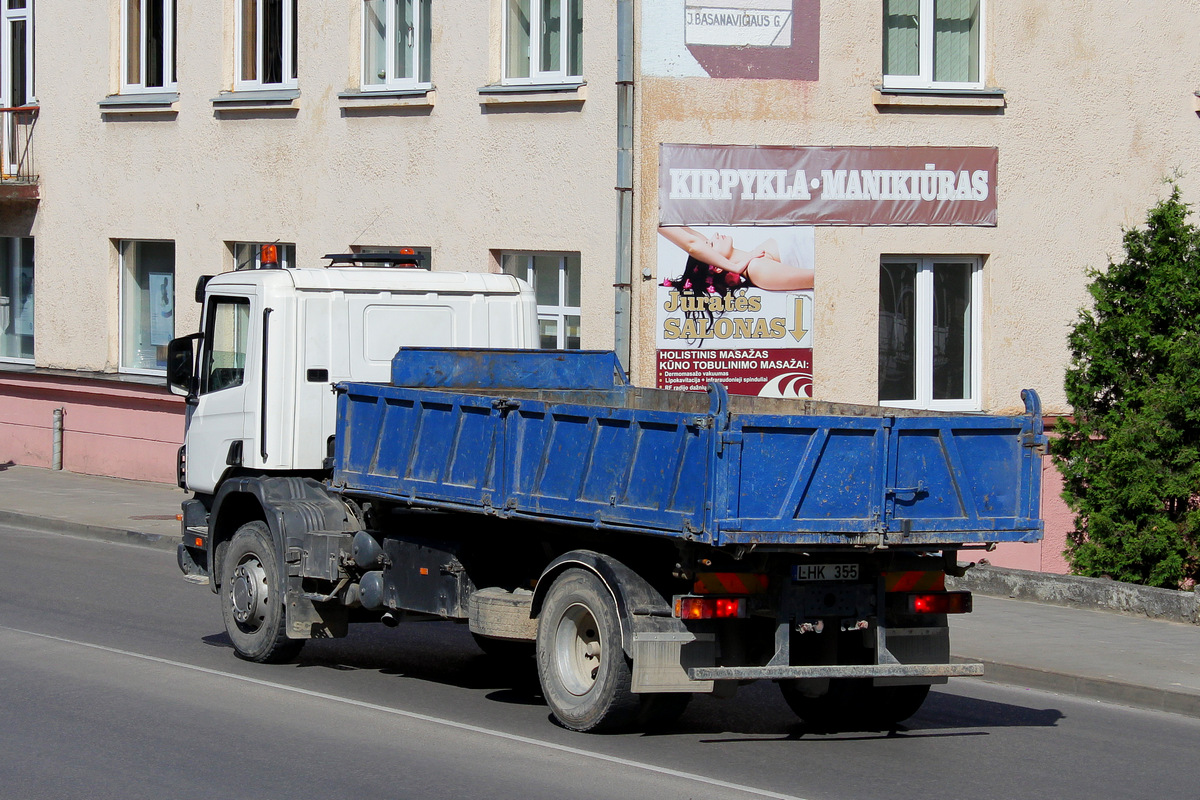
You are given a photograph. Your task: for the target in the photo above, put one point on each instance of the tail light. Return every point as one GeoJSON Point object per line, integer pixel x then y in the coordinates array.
{"type": "Point", "coordinates": [936, 603]}
{"type": "Point", "coordinates": [692, 607]}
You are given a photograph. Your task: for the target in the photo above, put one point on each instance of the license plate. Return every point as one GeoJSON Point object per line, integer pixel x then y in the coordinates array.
{"type": "Point", "coordinates": [825, 572]}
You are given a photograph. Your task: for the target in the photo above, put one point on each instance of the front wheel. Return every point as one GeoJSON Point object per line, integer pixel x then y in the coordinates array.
{"type": "Point", "coordinates": [585, 676]}
{"type": "Point", "coordinates": [252, 597]}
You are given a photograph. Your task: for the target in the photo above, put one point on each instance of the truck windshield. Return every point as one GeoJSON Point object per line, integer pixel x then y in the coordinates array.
{"type": "Point", "coordinates": [226, 335]}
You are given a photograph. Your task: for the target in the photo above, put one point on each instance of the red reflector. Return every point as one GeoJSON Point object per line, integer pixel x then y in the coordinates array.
{"type": "Point", "coordinates": [688, 607]}
{"type": "Point", "coordinates": [940, 603]}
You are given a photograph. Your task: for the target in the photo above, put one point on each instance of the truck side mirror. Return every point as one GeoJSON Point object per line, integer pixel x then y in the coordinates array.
{"type": "Point", "coordinates": [181, 365]}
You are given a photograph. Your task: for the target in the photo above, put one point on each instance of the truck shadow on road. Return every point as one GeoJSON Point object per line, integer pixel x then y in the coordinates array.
{"type": "Point", "coordinates": [445, 653]}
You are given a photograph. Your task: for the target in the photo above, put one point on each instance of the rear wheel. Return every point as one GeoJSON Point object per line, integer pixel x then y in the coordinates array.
{"type": "Point", "coordinates": [252, 597]}
{"type": "Point", "coordinates": [662, 709]}
{"type": "Point", "coordinates": [851, 703]}
{"type": "Point", "coordinates": [584, 674]}
{"type": "Point", "coordinates": [897, 703]}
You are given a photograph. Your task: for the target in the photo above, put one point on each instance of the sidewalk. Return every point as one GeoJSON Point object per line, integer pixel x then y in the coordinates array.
{"type": "Point", "coordinates": [107, 508]}
{"type": "Point", "coordinates": [1097, 654]}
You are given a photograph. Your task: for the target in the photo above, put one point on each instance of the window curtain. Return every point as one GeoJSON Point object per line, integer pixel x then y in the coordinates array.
{"type": "Point", "coordinates": [518, 39]}
{"type": "Point", "coordinates": [901, 37]}
{"type": "Point", "coordinates": [897, 332]}
{"type": "Point", "coordinates": [956, 41]}
{"type": "Point", "coordinates": [375, 68]}
{"type": "Point", "coordinates": [951, 331]}
{"type": "Point", "coordinates": [405, 38]}
{"type": "Point", "coordinates": [249, 40]}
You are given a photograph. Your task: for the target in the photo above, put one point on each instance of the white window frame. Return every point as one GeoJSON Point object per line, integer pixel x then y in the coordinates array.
{"type": "Point", "coordinates": [923, 335]}
{"type": "Point", "coordinates": [924, 77]}
{"type": "Point", "coordinates": [421, 37]}
{"type": "Point", "coordinates": [536, 76]}
{"type": "Point", "coordinates": [170, 79]}
{"type": "Point", "coordinates": [557, 313]}
{"type": "Point", "coordinates": [288, 57]}
{"type": "Point", "coordinates": [8, 18]}
{"type": "Point", "coordinates": [122, 272]}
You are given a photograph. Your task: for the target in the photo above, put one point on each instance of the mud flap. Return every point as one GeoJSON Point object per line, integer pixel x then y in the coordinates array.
{"type": "Point", "coordinates": [308, 620]}
{"type": "Point", "coordinates": [663, 650]}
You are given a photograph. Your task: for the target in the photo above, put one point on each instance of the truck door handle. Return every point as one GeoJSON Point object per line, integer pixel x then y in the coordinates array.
{"type": "Point", "coordinates": [914, 491]}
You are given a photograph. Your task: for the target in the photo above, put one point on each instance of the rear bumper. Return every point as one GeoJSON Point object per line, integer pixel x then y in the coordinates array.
{"type": "Point", "coordinates": [842, 671]}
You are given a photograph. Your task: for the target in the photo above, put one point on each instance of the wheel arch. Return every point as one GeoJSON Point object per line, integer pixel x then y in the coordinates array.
{"type": "Point", "coordinates": [290, 506]}
{"type": "Point", "coordinates": [632, 594]}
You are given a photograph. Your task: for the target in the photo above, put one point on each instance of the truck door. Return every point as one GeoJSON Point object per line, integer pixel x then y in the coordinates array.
{"type": "Point", "coordinates": [221, 424]}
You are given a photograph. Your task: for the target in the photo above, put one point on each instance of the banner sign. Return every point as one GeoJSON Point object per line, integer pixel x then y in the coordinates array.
{"type": "Point", "coordinates": [735, 307]}
{"type": "Point", "coordinates": [752, 185]}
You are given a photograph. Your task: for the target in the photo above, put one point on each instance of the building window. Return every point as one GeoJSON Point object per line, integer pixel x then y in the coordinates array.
{"type": "Point", "coordinates": [929, 332]}
{"type": "Point", "coordinates": [147, 304]}
{"type": "Point", "coordinates": [16, 53]}
{"type": "Point", "coordinates": [148, 45]}
{"type": "Point", "coordinates": [543, 41]}
{"type": "Point", "coordinates": [396, 41]}
{"type": "Point", "coordinates": [16, 299]}
{"type": "Point", "coordinates": [933, 44]}
{"type": "Point", "coordinates": [555, 282]}
{"type": "Point", "coordinates": [266, 41]}
{"type": "Point", "coordinates": [424, 254]}
{"type": "Point", "coordinates": [248, 255]}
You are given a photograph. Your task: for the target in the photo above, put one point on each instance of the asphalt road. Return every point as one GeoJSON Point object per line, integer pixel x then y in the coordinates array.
{"type": "Point", "coordinates": [117, 681]}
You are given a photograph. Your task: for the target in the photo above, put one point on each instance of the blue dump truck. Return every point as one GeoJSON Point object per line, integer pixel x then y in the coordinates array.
{"type": "Point", "coordinates": [640, 546]}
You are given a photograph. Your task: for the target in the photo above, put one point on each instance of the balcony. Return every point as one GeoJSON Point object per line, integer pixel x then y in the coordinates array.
{"type": "Point", "coordinates": [18, 173]}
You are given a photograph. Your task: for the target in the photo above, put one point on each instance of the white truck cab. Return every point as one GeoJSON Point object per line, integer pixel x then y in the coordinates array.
{"type": "Point", "coordinates": [274, 341]}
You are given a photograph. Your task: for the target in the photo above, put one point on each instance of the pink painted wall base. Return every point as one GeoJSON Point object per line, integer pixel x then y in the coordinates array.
{"type": "Point", "coordinates": [110, 427]}
{"type": "Point", "coordinates": [1046, 555]}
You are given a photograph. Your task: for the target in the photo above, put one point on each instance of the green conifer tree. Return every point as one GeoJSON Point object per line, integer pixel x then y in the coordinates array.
{"type": "Point", "coordinates": [1130, 456]}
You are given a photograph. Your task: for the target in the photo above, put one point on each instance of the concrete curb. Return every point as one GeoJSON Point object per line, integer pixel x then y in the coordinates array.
{"type": "Point", "coordinates": [68, 528]}
{"type": "Point", "coordinates": [1075, 591]}
{"type": "Point", "coordinates": [1108, 691]}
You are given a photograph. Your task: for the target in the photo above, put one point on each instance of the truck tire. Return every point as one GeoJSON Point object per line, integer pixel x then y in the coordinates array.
{"type": "Point", "coordinates": [851, 703]}
{"type": "Point", "coordinates": [895, 704]}
{"type": "Point", "coordinates": [252, 597]}
{"type": "Point", "coordinates": [584, 673]}
{"type": "Point", "coordinates": [661, 710]}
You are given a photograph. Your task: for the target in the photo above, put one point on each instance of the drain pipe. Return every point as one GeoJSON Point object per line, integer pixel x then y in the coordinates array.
{"type": "Point", "coordinates": [622, 302]}
{"type": "Point", "coordinates": [56, 458]}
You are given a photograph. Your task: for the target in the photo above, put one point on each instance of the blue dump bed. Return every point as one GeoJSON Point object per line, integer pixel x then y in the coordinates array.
{"type": "Point", "coordinates": [561, 437]}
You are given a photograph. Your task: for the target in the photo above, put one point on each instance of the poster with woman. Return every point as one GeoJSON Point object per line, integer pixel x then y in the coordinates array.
{"type": "Point", "coordinates": [735, 306]}
{"type": "Point", "coordinates": [162, 307]}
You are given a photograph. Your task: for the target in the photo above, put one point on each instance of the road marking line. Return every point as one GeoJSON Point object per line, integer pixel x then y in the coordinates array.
{"type": "Point", "coordinates": [512, 737]}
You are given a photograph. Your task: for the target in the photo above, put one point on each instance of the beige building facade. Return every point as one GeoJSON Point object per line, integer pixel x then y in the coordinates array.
{"type": "Point", "coordinates": [177, 137]}
{"type": "Point", "coordinates": [1080, 111]}
{"type": "Point", "coordinates": [905, 194]}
